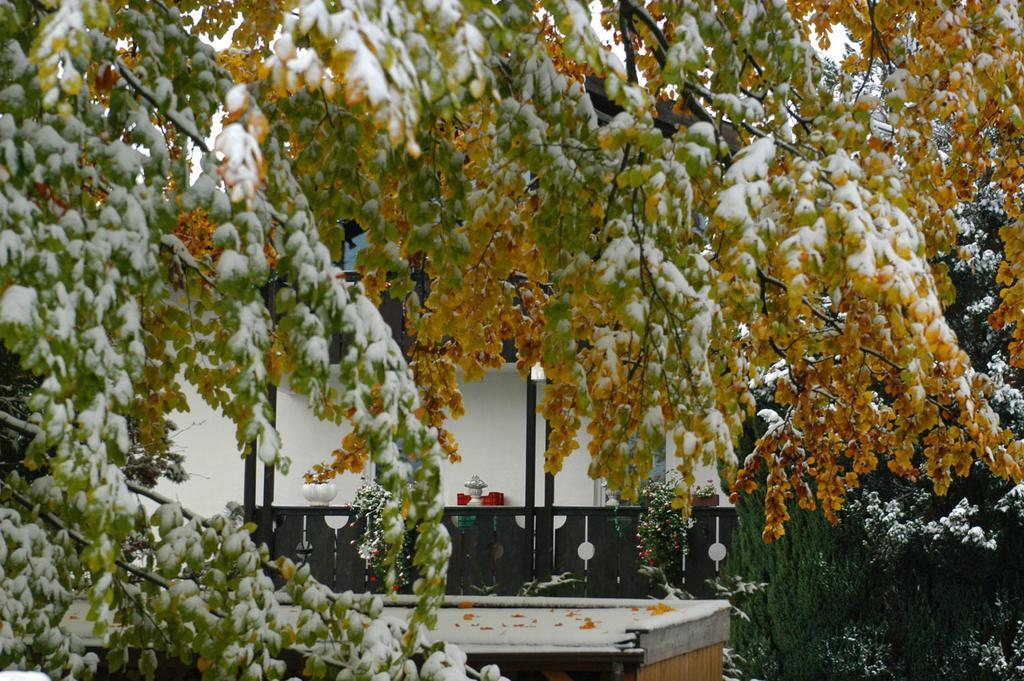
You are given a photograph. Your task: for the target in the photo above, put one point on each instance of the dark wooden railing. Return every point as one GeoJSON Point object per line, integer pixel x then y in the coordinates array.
{"type": "Point", "coordinates": [493, 553]}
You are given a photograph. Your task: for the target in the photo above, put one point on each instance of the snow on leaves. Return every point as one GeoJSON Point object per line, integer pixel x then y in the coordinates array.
{"type": "Point", "coordinates": [378, 54]}
{"type": "Point", "coordinates": [656, 274]}
{"type": "Point", "coordinates": [62, 39]}
{"type": "Point", "coordinates": [105, 303]}
{"type": "Point", "coordinates": [738, 214]}
{"type": "Point", "coordinates": [893, 531]}
{"type": "Point", "coordinates": [34, 594]}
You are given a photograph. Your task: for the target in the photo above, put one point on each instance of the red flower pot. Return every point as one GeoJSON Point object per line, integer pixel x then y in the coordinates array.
{"type": "Point", "coordinates": [706, 501]}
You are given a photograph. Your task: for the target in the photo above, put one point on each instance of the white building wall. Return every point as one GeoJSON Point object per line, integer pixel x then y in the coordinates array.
{"type": "Point", "coordinates": [492, 443]}
{"type": "Point", "coordinates": [215, 464]}
{"type": "Point", "coordinates": [212, 459]}
{"type": "Point", "coordinates": [573, 486]}
{"type": "Point", "coordinates": [491, 436]}
{"type": "Point", "coordinates": [307, 441]}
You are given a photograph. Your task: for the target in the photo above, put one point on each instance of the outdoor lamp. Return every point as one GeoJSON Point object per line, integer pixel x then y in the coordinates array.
{"type": "Point", "coordinates": [537, 373]}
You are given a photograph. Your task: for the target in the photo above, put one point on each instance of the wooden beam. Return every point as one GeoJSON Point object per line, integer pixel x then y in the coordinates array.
{"type": "Point", "coordinates": [531, 471]}
{"type": "Point", "coordinates": [249, 484]}
{"type": "Point", "coordinates": [556, 675]}
{"type": "Point", "coordinates": [703, 664]}
{"type": "Point", "coordinates": [546, 520]}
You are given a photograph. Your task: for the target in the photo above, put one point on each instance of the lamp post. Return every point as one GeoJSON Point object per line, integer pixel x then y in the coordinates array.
{"type": "Point", "coordinates": [536, 376]}
{"type": "Point", "coordinates": [540, 528]}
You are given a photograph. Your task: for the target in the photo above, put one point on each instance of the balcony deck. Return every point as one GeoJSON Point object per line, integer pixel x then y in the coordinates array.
{"type": "Point", "coordinates": [492, 552]}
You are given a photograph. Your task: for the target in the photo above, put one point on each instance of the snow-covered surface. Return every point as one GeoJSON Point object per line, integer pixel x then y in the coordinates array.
{"type": "Point", "coordinates": [531, 626]}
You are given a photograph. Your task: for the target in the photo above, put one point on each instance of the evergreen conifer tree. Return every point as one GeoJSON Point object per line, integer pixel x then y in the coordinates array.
{"type": "Point", "coordinates": [908, 585]}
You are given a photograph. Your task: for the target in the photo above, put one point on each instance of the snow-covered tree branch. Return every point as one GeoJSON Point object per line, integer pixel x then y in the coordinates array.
{"type": "Point", "coordinates": [174, 215]}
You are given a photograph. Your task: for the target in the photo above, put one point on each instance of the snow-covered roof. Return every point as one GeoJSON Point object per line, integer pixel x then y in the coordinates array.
{"type": "Point", "coordinates": [507, 627]}
{"type": "Point", "coordinates": [496, 625]}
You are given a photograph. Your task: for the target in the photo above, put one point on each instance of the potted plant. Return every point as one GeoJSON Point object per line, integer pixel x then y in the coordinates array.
{"type": "Point", "coordinates": [476, 488]}
{"type": "Point", "coordinates": [611, 496]}
{"type": "Point", "coordinates": [318, 488]}
{"type": "Point", "coordinates": [705, 495]}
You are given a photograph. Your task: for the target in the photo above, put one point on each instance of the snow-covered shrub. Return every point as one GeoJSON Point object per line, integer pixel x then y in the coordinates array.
{"type": "Point", "coordinates": [549, 586]}
{"type": "Point", "coordinates": [1002, 659]}
{"type": "Point", "coordinates": [859, 653]}
{"type": "Point", "coordinates": [369, 504]}
{"type": "Point", "coordinates": [661, 531]}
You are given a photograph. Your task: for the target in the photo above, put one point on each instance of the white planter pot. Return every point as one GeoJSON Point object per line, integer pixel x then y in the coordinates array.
{"type": "Point", "coordinates": [475, 487]}
{"type": "Point", "coordinates": [319, 493]}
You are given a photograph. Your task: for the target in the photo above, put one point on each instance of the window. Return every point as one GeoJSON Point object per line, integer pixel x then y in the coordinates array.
{"type": "Point", "coordinates": [658, 472]}
{"type": "Point", "coordinates": [355, 241]}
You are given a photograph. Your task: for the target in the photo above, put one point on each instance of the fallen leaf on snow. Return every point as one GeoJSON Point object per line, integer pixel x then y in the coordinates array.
{"type": "Point", "coordinates": [659, 609]}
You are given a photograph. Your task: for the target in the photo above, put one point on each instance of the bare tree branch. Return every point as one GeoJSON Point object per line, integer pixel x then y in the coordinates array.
{"type": "Point", "coordinates": [172, 116]}
{"type": "Point", "coordinates": [79, 538]}
{"type": "Point", "coordinates": [172, 243]}
{"type": "Point", "coordinates": [20, 425]}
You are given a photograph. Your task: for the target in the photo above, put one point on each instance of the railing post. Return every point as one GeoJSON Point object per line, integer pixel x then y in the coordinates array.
{"type": "Point", "coordinates": [546, 520]}
{"type": "Point", "coordinates": [531, 472]}
{"type": "Point", "coordinates": [265, 522]}
{"type": "Point", "coordinates": [249, 485]}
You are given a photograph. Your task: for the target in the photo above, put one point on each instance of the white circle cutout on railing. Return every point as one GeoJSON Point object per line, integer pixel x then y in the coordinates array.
{"type": "Point", "coordinates": [717, 551]}
{"type": "Point", "coordinates": [336, 522]}
{"type": "Point", "coordinates": [497, 550]}
{"type": "Point", "coordinates": [585, 551]}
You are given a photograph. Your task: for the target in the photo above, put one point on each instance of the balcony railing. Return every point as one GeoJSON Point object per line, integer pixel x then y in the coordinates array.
{"type": "Point", "coordinates": [493, 553]}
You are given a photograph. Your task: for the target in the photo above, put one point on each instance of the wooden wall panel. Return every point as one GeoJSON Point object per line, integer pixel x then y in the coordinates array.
{"type": "Point", "coordinates": [703, 664]}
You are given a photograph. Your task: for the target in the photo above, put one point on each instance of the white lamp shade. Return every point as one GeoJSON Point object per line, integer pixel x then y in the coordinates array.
{"type": "Point", "coordinates": [537, 373]}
